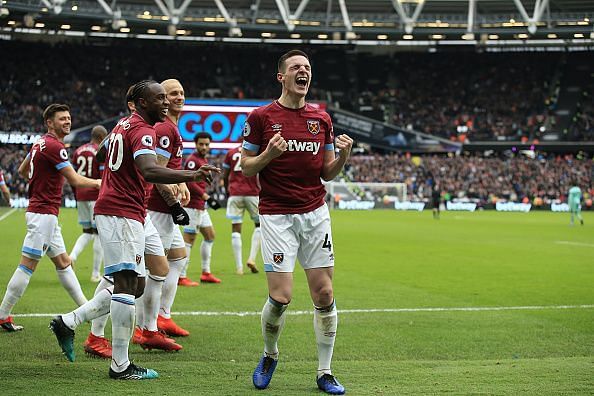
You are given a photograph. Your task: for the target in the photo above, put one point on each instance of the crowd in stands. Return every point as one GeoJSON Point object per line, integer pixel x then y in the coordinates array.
{"type": "Point", "coordinates": [466, 95]}
{"type": "Point", "coordinates": [517, 178]}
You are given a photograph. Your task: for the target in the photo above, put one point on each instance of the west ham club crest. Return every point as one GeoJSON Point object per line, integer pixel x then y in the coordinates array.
{"type": "Point", "coordinates": [278, 257]}
{"type": "Point", "coordinates": [313, 126]}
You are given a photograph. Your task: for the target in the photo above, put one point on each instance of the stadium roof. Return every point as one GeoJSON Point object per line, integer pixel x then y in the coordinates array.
{"type": "Point", "coordinates": [556, 22]}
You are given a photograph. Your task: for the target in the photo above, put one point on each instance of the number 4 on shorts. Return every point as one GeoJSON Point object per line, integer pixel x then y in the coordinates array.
{"type": "Point", "coordinates": [327, 243]}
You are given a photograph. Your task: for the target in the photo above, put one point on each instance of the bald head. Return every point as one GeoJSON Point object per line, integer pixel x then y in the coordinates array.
{"type": "Point", "coordinates": [98, 133]}
{"type": "Point", "coordinates": [175, 95]}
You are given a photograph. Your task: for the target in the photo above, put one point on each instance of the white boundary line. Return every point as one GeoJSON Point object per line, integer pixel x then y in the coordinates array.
{"type": "Point", "coordinates": [347, 311]}
{"type": "Point", "coordinates": [574, 243]}
{"type": "Point", "coordinates": [5, 215]}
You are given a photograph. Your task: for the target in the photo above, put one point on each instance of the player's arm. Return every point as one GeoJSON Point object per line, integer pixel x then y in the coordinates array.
{"type": "Point", "coordinates": [184, 193]}
{"type": "Point", "coordinates": [167, 192]}
{"type": "Point", "coordinates": [155, 173]}
{"type": "Point", "coordinates": [24, 167]}
{"type": "Point", "coordinates": [5, 192]}
{"type": "Point", "coordinates": [252, 162]}
{"type": "Point", "coordinates": [78, 181]}
{"type": "Point", "coordinates": [226, 172]}
{"type": "Point", "coordinates": [333, 164]}
{"type": "Point", "coordinates": [102, 151]}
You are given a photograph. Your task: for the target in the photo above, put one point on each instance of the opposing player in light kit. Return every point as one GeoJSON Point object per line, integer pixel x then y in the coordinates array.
{"type": "Point", "coordinates": [87, 165]}
{"type": "Point", "coordinates": [574, 200]}
{"type": "Point", "coordinates": [199, 217]}
{"type": "Point", "coordinates": [120, 215]}
{"type": "Point", "coordinates": [243, 195]}
{"type": "Point", "coordinates": [290, 143]}
{"type": "Point", "coordinates": [46, 166]}
{"type": "Point", "coordinates": [169, 150]}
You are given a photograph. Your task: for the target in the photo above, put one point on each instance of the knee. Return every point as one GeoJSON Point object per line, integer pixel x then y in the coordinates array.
{"type": "Point", "coordinates": [324, 296]}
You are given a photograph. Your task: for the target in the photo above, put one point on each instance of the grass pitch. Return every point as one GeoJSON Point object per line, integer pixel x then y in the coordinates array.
{"type": "Point", "coordinates": [485, 302]}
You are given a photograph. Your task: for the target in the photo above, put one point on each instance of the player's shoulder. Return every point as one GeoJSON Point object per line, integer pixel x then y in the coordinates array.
{"type": "Point", "coordinates": [165, 128]}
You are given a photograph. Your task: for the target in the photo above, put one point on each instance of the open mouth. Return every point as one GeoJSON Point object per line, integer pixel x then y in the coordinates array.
{"type": "Point", "coordinates": [301, 81]}
{"type": "Point", "coordinates": [164, 112]}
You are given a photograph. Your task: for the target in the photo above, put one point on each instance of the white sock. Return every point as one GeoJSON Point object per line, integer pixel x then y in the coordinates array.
{"type": "Point", "coordinates": [170, 286]}
{"type": "Point", "coordinates": [325, 323]}
{"type": "Point", "coordinates": [80, 244]}
{"type": "Point", "coordinates": [152, 300]}
{"type": "Point", "coordinates": [273, 321]}
{"type": "Point", "coordinates": [122, 320]}
{"type": "Point", "coordinates": [15, 290]}
{"type": "Point", "coordinates": [69, 281]}
{"type": "Point", "coordinates": [98, 325]}
{"type": "Point", "coordinates": [97, 256]}
{"type": "Point", "coordinates": [96, 307]}
{"type": "Point", "coordinates": [184, 270]}
{"type": "Point", "coordinates": [255, 246]}
{"type": "Point", "coordinates": [236, 245]}
{"type": "Point", "coordinates": [205, 254]}
{"type": "Point", "coordinates": [140, 311]}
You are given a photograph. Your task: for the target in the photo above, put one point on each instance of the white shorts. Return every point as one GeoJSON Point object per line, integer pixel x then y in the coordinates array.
{"type": "Point", "coordinates": [169, 232]}
{"type": "Point", "coordinates": [44, 236]}
{"type": "Point", "coordinates": [237, 205]}
{"type": "Point", "coordinates": [306, 237]}
{"type": "Point", "coordinates": [198, 219]}
{"type": "Point", "coordinates": [152, 240]}
{"type": "Point", "coordinates": [85, 214]}
{"type": "Point", "coordinates": [123, 242]}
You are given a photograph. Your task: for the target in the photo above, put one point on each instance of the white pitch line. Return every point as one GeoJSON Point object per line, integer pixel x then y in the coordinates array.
{"type": "Point", "coordinates": [5, 215]}
{"type": "Point", "coordinates": [574, 243]}
{"type": "Point", "coordinates": [347, 311]}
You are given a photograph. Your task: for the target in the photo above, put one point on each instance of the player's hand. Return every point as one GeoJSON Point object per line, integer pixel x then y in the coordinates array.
{"type": "Point", "coordinates": [213, 203]}
{"type": "Point", "coordinates": [184, 194]}
{"type": "Point", "coordinates": [174, 190]}
{"type": "Point", "coordinates": [344, 144]}
{"type": "Point", "coordinates": [277, 145]}
{"type": "Point", "coordinates": [205, 173]}
{"type": "Point", "coordinates": [180, 216]}
{"type": "Point", "coordinates": [97, 184]}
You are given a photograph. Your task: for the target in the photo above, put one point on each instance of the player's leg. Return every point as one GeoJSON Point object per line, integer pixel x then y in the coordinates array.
{"type": "Point", "coordinates": [85, 219]}
{"type": "Point", "coordinates": [39, 233]}
{"type": "Point", "coordinates": [207, 230]}
{"type": "Point", "coordinates": [57, 253]}
{"type": "Point", "coordinates": [189, 236]}
{"type": "Point", "coordinates": [124, 261]}
{"type": "Point", "coordinates": [64, 326]}
{"type": "Point", "coordinates": [252, 207]}
{"type": "Point", "coordinates": [176, 258]}
{"type": "Point", "coordinates": [578, 214]}
{"type": "Point", "coordinates": [96, 344]}
{"type": "Point", "coordinates": [316, 255]}
{"type": "Point", "coordinates": [277, 237]}
{"type": "Point", "coordinates": [97, 257]}
{"type": "Point", "coordinates": [237, 246]}
{"type": "Point", "coordinates": [234, 213]}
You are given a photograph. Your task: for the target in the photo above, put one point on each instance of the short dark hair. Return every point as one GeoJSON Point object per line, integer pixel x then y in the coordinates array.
{"type": "Point", "coordinates": [287, 55]}
{"type": "Point", "coordinates": [129, 93]}
{"type": "Point", "coordinates": [53, 109]}
{"type": "Point", "coordinates": [202, 135]}
{"type": "Point", "coordinates": [140, 89]}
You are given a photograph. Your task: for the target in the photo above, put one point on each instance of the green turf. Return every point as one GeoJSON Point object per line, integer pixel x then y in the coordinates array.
{"type": "Point", "coordinates": [384, 260]}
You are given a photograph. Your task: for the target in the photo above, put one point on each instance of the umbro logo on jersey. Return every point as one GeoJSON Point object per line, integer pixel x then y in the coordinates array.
{"type": "Point", "coordinates": [313, 126]}
{"type": "Point", "coordinates": [295, 145]}
{"type": "Point", "coordinates": [277, 128]}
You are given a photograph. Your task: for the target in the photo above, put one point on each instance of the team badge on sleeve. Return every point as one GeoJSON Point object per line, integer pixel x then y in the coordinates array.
{"type": "Point", "coordinates": [278, 257]}
{"type": "Point", "coordinates": [147, 140]}
{"type": "Point", "coordinates": [313, 126]}
{"type": "Point", "coordinates": [191, 165]}
{"type": "Point", "coordinates": [64, 154]}
{"type": "Point", "coordinates": [164, 142]}
{"type": "Point", "coordinates": [247, 129]}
